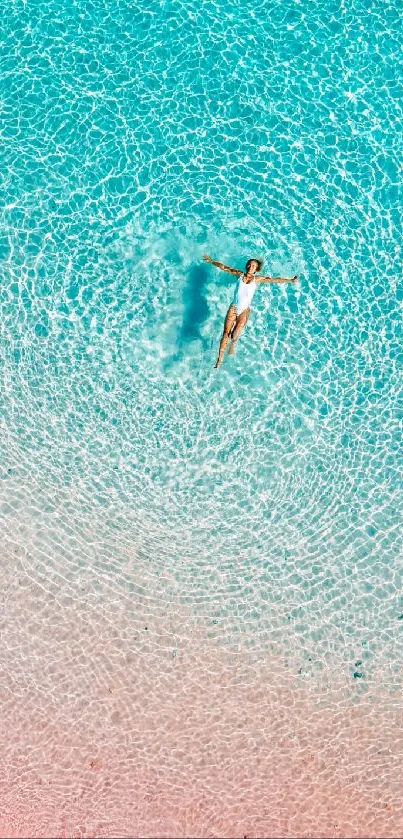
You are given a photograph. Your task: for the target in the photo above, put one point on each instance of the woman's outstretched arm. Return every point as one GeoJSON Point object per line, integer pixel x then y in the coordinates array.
{"type": "Point", "coordinates": [277, 279]}
{"type": "Point", "coordinates": [221, 265]}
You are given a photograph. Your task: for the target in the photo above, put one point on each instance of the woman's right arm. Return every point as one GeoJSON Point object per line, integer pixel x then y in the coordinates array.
{"type": "Point", "coordinates": [221, 266]}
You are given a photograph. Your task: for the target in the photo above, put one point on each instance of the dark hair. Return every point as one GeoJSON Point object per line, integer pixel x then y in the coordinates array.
{"type": "Point", "coordinates": [259, 264]}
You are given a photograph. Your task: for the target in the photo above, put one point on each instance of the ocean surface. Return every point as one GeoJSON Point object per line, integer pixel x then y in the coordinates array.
{"type": "Point", "coordinates": [201, 570]}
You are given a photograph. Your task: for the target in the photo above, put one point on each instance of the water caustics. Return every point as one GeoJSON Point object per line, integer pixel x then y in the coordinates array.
{"type": "Point", "coordinates": [201, 571]}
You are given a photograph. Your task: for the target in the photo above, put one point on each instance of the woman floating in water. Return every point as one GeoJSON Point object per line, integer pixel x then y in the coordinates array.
{"type": "Point", "coordinates": [239, 310]}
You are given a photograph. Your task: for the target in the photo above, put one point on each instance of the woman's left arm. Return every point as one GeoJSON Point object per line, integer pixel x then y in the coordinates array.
{"type": "Point", "coordinates": [277, 279]}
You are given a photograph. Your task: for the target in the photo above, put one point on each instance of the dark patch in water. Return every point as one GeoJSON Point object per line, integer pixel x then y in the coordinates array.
{"type": "Point", "coordinates": [196, 310]}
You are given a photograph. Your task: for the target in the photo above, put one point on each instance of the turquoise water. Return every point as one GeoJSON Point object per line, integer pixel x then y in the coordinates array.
{"type": "Point", "coordinates": [136, 137]}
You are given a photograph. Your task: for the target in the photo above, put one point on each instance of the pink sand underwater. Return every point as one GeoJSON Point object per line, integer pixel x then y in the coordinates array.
{"type": "Point", "coordinates": [123, 717]}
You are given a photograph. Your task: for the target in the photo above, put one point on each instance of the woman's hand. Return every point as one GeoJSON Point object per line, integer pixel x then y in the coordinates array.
{"type": "Point", "coordinates": [207, 258]}
{"type": "Point", "coordinates": [294, 279]}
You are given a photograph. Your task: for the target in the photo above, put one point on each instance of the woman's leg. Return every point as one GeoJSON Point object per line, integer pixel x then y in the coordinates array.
{"type": "Point", "coordinates": [229, 324]}
{"type": "Point", "coordinates": [241, 321]}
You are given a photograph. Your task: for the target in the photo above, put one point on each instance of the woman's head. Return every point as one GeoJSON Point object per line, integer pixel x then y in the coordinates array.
{"type": "Point", "coordinates": [253, 265]}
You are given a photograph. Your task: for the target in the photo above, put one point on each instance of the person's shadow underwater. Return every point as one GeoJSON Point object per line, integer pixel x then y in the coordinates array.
{"type": "Point", "coordinates": [195, 312]}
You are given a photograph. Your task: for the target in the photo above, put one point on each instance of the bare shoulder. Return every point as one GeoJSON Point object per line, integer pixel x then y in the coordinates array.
{"type": "Point", "coordinates": [233, 271]}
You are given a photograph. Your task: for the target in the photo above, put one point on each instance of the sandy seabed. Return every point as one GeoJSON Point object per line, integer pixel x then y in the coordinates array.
{"type": "Point", "coordinates": [124, 716]}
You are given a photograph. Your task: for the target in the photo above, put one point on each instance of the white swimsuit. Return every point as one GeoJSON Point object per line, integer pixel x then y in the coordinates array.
{"type": "Point", "coordinates": [243, 295]}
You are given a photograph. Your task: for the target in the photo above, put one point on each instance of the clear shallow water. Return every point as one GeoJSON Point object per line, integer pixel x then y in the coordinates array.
{"type": "Point", "coordinates": [265, 499]}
